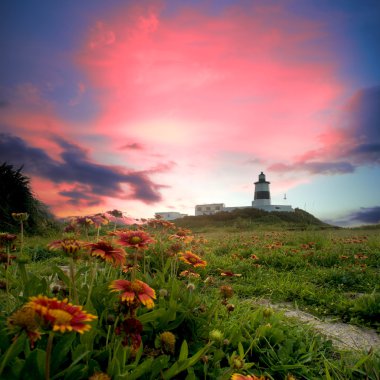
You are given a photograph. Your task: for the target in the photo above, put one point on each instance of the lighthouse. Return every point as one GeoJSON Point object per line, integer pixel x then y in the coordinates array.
{"type": "Point", "coordinates": [262, 193]}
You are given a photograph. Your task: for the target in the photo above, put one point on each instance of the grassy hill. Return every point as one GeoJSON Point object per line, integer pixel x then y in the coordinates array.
{"type": "Point", "coordinates": [251, 218]}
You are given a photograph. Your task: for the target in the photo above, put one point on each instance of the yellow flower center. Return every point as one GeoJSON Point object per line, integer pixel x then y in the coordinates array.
{"type": "Point", "coordinates": [137, 288]}
{"type": "Point", "coordinates": [135, 239]}
{"type": "Point", "coordinates": [61, 316]}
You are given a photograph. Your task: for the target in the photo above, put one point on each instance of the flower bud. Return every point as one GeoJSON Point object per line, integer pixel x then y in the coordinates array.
{"type": "Point", "coordinates": [216, 335]}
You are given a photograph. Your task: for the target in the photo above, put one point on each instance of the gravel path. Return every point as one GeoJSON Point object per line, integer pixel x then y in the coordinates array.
{"type": "Point", "coordinates": [343, 335]}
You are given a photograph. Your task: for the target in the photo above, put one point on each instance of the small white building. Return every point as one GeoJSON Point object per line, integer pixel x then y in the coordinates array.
{"type": "Point", "coordinates": [170, 215]}
{"type": "Point", "coordinates": [209, 209]}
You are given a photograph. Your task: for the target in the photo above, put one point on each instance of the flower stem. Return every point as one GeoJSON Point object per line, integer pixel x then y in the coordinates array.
{"type": "Point", "coordinates": [22, 236]}
{"type": "Point", "coordinates": [49, 348]}
{"type": "Point", "coordinates": [72, 280]}
{"type": "Point", "coordinates": [93, 275]}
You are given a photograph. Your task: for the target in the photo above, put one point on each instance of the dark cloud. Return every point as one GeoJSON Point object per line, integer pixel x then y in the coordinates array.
{"type": "Point", "coordinates": [76, 168]}
{"type": "Point", "coordinates": [81, 196]}
{"type": "Point", "coordinates": [132, 146]}
{"type": "Point", "coordinates": [4, 104]}
{"type": "Point", "coordinates": [359, 144]}
{"type": "Point", "coordinates": [362, 115]}
{"type": "Point", "coordinates": [367, 215]}
{"type": "Point", "coordinates": [315, 167]}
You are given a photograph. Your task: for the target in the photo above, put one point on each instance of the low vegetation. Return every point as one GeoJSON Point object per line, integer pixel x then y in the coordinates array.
{"type": "Point", "coordinates": [157, 301]}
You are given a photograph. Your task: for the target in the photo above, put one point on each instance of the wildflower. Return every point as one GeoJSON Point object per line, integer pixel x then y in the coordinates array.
{"type": "Point", "coordinates": [20, 216]}
{"type": "Point", "coordinates": [25, 319]}
{"type": "Point", "coordinates": [99, 220]}
{"type": "Point", "coordinates": [230, 307]}
{"type": "Point", "coordinates": [82, 220]}
{"type": "Point", "coordinates": [70, 247]}
{"type": "Point", "coordinates": [7, 239]}
{"type": "Point", "coordinates": [360, 256]}
{"type": "Point", "coordinates": [226, 291]}
{"type": "Point", "coordinates": [192, 259]}
{"type": "Point", "coordinates": [134, 239]}
{"type": "Point", "coordinates": [133, 291]}
{"type": "Point", "coordinates": [237, 361]}
{"type": "Point", "coordinates": [189, 273]}
{"type": "Point", "coordinates": [4, 258]}
{"type": "Point", "coordinates": [254, 257]}
{"type": "Point", "coordinates": [167, 341]}
{"type": "Point", "coordinates": [99, 376]}
{"type": "Point", "coordinates": [107, 252]}
{"type": "Point", "coordinates": [160, 223]}
{"type": "Point", "coordinates": [130, 268]}
{"type": "Point", "coordinates": [163, 293]}
{"type": "Point", "coordinates": [267, 312]}
{"type": "Point", "coordinates": [61, 315]}
{"type": "Point", "coordinates": [228, 273]}
{"type": "Point", "coordinates": [190, 287]}
{"type": "Point", "coordinates": [216, 335]}
{"type": "Point", "coordinates": [183, 235]}
{"type": "Point", "coordinates": [237, 376]}
{"type": "Point", "coordinates": [131, 329]}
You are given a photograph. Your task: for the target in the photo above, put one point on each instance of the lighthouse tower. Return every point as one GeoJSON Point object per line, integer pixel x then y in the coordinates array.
{"type": "Point", "coordinates": [262, 193]}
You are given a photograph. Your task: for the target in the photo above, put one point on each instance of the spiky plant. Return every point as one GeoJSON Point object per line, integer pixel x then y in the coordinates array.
{"type": "Point", "coordinates": [16, 196]}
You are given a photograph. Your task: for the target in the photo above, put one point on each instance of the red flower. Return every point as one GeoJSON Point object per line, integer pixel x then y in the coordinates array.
{"type": "Point", "coordinates": [107, 252]}
{"type": "Point", "coordinates": [134, 239]}
{"type": "Point", "coordinates": [228, 273]}
{"type": "Point", "coordinates": [133, 291]}
{"type": "Point", "coordinates": [61, 315]}
{"type": "Point", "coordinates": [192, 259]}
{"type": "Point", "coordinates": [131, 329]}
{"type": "Point", "coordinates": [183, 235]}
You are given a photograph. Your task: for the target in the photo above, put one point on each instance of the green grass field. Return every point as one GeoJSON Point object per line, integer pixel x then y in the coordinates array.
{"type": "Point", "coordinates": [201, 326]}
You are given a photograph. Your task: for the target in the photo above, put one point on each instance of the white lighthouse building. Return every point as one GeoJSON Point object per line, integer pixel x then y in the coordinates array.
{"type": "Point", "coordinates": [262, 193]}
{"type": "Point", "coordinates": [262, 200]}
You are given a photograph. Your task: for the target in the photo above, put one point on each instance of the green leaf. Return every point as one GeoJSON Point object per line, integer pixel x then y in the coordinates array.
{"type": "Point", "coordinates": [72, 367]}
{"type": "Point", "coordinates": [61, 350]}
{"type": "Point", "coordinates": [241, 350]}
{"type": "Point", "coordinates": [184, 353]}
{"type": "Point", "coordinates": [140, 370]}
{"type": "Point", "coordinates": [34, 364]}
{"type": "Point", "coordinates": [328, 377]}
{"type": "Point", "coordinates": [13, 350]}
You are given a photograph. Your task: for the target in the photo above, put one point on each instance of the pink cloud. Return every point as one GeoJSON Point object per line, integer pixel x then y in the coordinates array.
{"type": "Point", "coordinates": [242, 80]}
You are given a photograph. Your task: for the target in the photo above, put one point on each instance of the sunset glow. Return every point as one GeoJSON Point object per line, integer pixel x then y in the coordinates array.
{"type": "Point", "coordinates": [161, 105]}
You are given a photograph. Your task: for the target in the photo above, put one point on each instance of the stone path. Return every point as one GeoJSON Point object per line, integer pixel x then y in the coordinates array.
{"type": "Point", "coordinates": [343, 335]}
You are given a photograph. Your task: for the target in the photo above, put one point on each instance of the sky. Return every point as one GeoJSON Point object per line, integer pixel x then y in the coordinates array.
{"type": "Point", "coordinates": [152, 106]}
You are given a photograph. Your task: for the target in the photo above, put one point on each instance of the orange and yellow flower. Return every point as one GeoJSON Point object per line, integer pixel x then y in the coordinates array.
{"type": "Point", "coordinates": [107, 252]}
{"type": "Point", "coordinates": [183, 235]}
{"type": "Point", "coordinates": [133, 291]}
{"type": "Point", "coordinates": [191, 258]}
{"type": "Point", "coordinates": [239, 376]}
{"type": "Point", "coordinates": [61, 315]}
{"type": "Point", "coordinates": [70, 247]}
{"type": "Point", "coordinates": [134, 239]}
